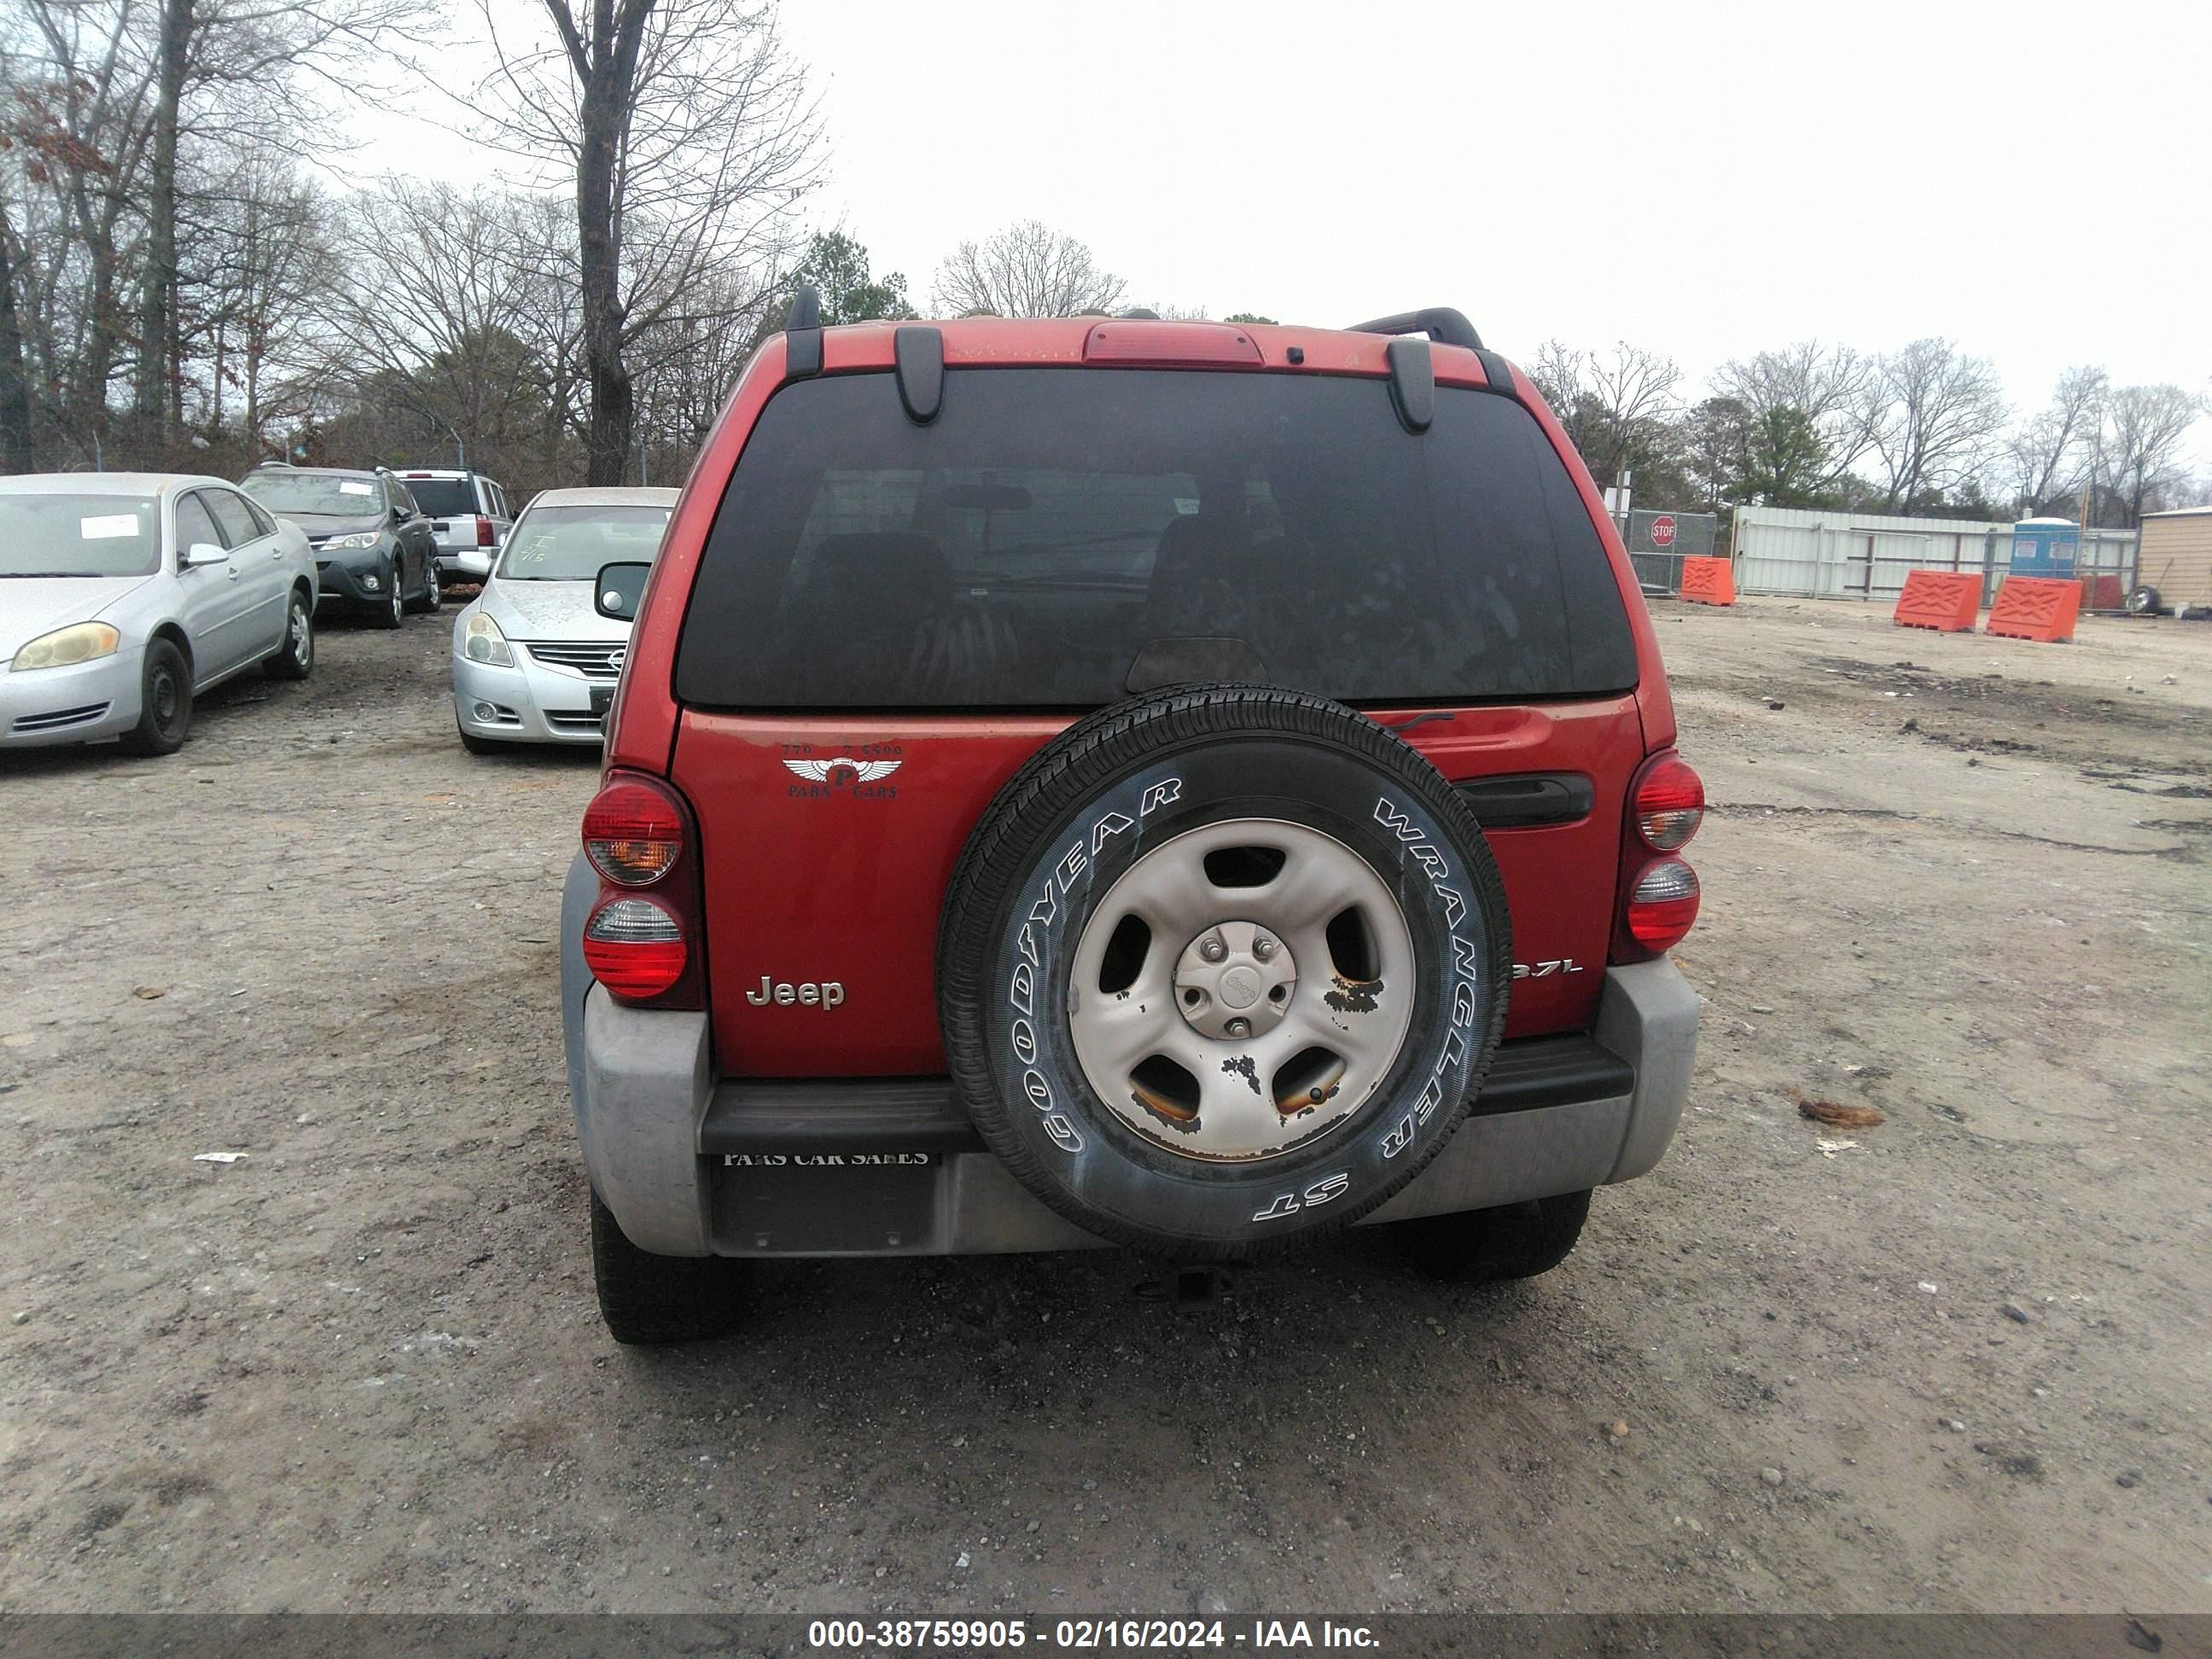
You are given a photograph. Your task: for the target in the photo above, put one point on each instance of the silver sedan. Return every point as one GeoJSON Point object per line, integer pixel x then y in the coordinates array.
{"type": "Point", "coordinates": [124, 595]}
{"type": "Point", "coordinates": [533, 659]}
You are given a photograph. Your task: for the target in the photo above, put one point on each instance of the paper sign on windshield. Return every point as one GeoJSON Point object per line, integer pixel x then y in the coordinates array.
{"type": "Point", "coordinates": [347, 488]}
{"type": "Point", "coordinates": [109, 527]}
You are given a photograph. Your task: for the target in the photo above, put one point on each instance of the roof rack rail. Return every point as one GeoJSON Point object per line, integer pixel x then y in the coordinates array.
{"type": "Point", "coordinates": [1440, 323]}
{"type": "Point", "coordinates": [802, 330]}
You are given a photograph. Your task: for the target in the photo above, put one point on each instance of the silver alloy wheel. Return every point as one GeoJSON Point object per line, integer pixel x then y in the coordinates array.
{"type": "Point", "coordinates": [299, 637]}
{"type": "Point", "coordinates": [398, 598]}
{"type": "Point", "coordinates": [433, 596]}
{"type": "Point", "coordinates": [1272, 997]}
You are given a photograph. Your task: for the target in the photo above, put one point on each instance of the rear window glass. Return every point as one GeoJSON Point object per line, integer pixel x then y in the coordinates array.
{"type": "Point", "coordinates": [444, 497]}
{"type": "Point", "coordinates": [1050, 524]}
{"type": "Point", "coordinates": [358, 495]}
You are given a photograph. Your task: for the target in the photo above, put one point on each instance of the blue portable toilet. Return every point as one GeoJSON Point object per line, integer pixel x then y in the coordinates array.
{"type": "Point", "coordinates": [2046, 547]}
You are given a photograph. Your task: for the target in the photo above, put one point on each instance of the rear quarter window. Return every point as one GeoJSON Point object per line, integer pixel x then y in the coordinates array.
{"type": "Point", "coordinates": [1023, 549]}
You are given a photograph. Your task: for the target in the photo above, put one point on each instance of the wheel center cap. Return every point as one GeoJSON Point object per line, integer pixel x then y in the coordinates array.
{"type": "Point", "coordinates": [1235, 980]}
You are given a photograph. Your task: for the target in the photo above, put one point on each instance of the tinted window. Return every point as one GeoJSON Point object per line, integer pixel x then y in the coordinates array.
{"type": "Point", "coordinates": [262, 521]}
{"type": "Point", "coordinates": [90, 535]}
{"type": "Point", "coordinates": [400, 498]}
{"type": "Point", "coordinates": [1024, 548]}
{"type": "Point", "coordinates": [193, 524]}
{"type": "Point", "coordinates": [231, 516]}
{"type": "Point", "coordinates": [444, 498]}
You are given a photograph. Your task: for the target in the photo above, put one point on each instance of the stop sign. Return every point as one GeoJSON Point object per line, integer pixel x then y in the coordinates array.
{"type": "Point", "coordinates": [1662, 530]}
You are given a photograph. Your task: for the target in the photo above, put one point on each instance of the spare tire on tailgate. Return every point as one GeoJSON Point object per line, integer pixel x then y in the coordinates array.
{"type": "Point", "coordinates": [1221, 968]}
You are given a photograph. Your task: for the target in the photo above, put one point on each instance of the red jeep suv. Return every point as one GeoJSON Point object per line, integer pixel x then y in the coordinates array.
{"type": "Point", "coordinates": [1103, 781]}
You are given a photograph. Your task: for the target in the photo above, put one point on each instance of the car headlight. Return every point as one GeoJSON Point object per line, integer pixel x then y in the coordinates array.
{"type": "Point", "coordinates": [82, 642]}
{"type": "Point", "coordinates": [359, 539]}
{"type": "Point", "coordinates": [481, 641]}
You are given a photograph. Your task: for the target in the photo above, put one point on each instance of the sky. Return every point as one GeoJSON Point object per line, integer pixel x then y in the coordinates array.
{"type": "Point", "coordinates": [1705, 179]}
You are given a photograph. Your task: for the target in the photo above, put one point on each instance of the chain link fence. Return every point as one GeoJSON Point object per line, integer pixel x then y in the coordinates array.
{"type": "Point", "coordinates": [1659, 541]}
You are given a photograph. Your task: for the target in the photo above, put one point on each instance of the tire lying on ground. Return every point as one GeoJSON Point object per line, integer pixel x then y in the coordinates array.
{"type": "Point", "coordinates": [1220, 968]}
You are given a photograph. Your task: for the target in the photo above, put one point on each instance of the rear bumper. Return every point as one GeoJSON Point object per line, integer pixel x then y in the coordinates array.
{"type": "Point", "coordinates": [693, 1166]}
{"type": "Point", "coordinates": [471, 563]}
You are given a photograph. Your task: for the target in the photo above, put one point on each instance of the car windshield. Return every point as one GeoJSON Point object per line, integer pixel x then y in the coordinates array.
{"type": "Point", "coordinates": [75, 535]}
{"type": "Point", "coordinates": [569, 543]}
{"type": "Point", "coordinates": [443, 498]}
{"type": "Point", "coordinates": [327, 493]}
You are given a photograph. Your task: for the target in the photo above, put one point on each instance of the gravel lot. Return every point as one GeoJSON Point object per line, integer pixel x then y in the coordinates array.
{"type": "Point", "coordinates": [1960, 1364]}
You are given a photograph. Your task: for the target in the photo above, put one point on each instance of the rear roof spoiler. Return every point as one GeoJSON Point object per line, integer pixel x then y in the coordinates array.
{"type": "Point", "coordinates": [1446, 327]}
{"type": "Point", "coordinates": [1440, 323]}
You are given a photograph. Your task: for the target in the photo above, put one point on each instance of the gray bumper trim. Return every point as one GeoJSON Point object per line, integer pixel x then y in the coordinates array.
{"type": "Point", "coordinates": [644, 1091]}
{"type": "Point", "coordinates": [1648, 1015]}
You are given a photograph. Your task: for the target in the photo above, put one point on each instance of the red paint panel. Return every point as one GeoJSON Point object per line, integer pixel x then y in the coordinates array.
{"type": "Point", "coordinates": [842, 879]}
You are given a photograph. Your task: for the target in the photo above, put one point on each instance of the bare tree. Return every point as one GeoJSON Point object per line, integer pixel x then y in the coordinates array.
{"type": "Point", "coordinates": [78, 88]}
{"type": "Point", "coordinates": [14, 382]}
{"type": "Point", "coordinates": [2139, 445]}
{"type": "Point", "coordinates": [1027, 270]}
{"type": "Point", "coordinates": [1835, 389]}
{"type": "Point", "coordinates": [449, 330]}
{"type": "Point", "coordinates": [1941, 414]}
{"type": "Point", "coordinates": [1614, 406]}
{"type": "Point", "coordinates": [2049, 453]}
{"type": "Point", "coordinates": [690, 137]}
{"type": "Point", "coordinates": [687, 365]}
{"type": "Point", "coordinates": [232, 54]}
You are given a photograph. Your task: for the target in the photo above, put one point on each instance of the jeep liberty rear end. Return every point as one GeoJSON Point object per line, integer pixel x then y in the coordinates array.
{"type": "Point", "coordinates": [1088, 781]}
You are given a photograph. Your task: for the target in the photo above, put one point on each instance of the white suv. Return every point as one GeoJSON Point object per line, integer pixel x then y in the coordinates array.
{"type": "Point", "coordinates": [468, 514]}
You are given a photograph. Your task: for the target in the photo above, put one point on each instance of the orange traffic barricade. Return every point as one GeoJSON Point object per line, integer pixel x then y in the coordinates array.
{"type": "Point", "coordinates": [2035, 608]}
{"type": "Point", "coordinates": [1944, 600]}
{"type": "Point", "coordinates": [1709, 581]}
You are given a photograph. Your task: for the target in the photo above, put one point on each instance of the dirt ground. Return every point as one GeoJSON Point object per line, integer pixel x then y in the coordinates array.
{"type": "Point", "coordinates": [1957, 1361]}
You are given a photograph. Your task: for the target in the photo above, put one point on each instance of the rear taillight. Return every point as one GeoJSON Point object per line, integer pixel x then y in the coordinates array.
{"type": "Point", "coordinates": [636, 948]}
{"type": "Point", "coordinates": [483, 530]}
{"type": "Point", "coordinates": [1663, 906]}
{"type": "Point", "coordinates": [642, 940]}
{"type": "Point", "coordinates": [1670, 803]}
{"type": "Point", "coordinates": [1658, 894]}
{"type": "Point", "coordinates": [633, 833]}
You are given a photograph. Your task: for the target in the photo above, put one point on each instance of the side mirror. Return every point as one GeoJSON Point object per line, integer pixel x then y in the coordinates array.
{"type": "Point", "coordinates": [399, 515]}
{"type": "Point", "coordinates": [619, 589]}
{"type": "Point", "coordinates": [200, 554]}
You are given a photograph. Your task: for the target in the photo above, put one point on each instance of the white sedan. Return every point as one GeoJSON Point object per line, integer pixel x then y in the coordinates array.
{"type": "Point", "coordinates": [533, 659]}
{"type": "Point", "coordinates": [124, 595]}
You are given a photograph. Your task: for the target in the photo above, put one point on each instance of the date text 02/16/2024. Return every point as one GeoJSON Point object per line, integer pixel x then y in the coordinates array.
{"type": "Point", "coordinates": [1086, 1635]}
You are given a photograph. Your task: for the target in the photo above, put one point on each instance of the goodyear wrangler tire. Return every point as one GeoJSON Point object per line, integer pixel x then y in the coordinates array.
{"type": "Point", "coordinates": [1220, 968]}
